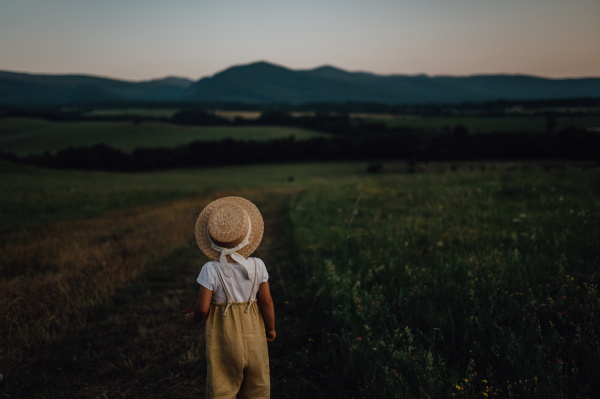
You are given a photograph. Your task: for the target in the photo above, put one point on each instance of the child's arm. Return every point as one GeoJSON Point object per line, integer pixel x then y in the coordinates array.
{"type": "Point", "coordinates": [268, 311]}
{"type": "Point", "coordinates": [201, 309]}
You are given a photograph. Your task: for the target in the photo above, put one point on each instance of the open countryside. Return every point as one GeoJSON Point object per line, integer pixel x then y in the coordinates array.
{"type": "Point", "coordinates": [24, 136]}
{"type": "Point", "coordinates": [27, 136]}
{"type": "Point", "coordinates": [429, 278]}
{"type": "Point", "coordinates": [428, 174]}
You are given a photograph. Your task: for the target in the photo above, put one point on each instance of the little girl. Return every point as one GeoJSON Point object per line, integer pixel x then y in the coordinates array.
{"type": "Point", "coordinates": [230, 229]}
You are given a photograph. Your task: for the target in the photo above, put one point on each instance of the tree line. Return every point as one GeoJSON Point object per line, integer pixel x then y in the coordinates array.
{"type": "Point", "coordinates": [489, 108]}
{"type": "Point", "coordinates": [569, 144]}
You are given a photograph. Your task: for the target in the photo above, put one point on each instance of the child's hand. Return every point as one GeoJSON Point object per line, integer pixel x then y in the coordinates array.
{"type": "Point", "coordinates": [271, 334]}
{"type": "Point", "coordinates": [190, 319]}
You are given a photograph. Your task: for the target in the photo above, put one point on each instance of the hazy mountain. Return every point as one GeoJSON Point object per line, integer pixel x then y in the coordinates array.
{"type": "Point", "coordinates": [23, 88]}
{"type": "Point", "coordinates": [262, 82]}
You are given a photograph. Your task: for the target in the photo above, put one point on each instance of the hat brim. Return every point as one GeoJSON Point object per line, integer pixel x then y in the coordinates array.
{"type": "Point", "coordinates": [258, 227]}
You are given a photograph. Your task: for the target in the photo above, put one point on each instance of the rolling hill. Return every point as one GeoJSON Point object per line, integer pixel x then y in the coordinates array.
{"type": "Point", "coordinates": [262, 82]}
{"type": "Point", "coordinates": [23, 88]}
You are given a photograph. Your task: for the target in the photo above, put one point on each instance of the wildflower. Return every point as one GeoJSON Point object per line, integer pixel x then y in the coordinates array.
{"type": "Point", "coordinates": [466, 380]}
{"type": "Point", "coordinates": [374, 349]}
{"type": "Point", "coordinates": [485, 394]}
{"type": "Point", "coordinates": [358, 338]}
{"type": "Point", "coordinates": [394, 374]}
{"type": "Point", "coordinates": [564, 297]}
{"type": "Point", "coordinates": [560, 361]}
{"type": "Point", "coordinates": [440, 244]}
{"type": "Point", "coordinates": [484, 381]}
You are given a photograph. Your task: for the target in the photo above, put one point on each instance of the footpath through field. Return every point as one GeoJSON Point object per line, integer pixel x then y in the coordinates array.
{"type": "Point", "coordinates": [129, 340]}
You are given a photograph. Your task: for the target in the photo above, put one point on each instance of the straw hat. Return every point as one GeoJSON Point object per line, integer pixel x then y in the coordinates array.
{"type": "Point", "coordinates": [225, 222]}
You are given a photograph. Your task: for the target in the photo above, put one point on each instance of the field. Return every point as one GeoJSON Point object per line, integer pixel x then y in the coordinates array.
{"type": "Point", "coordinates": [27, 136]}
{"type": "Point", "coordinates": [458, 284]}
{"type": "Point", "coordinates": [483, 124]}
{"type": "Point", "coordinates": [475, 124]}
{"type": "Point", "coordinates": [141, 112]}
{"type": "Point", "coordinates": [34, 136]}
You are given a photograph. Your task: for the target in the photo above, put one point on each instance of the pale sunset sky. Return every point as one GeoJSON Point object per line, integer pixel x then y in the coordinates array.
{"type": "Point", "coordinates": [139, 40]}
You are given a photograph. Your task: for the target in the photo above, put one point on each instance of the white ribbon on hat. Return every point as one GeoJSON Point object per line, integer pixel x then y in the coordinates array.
{"type": "Point", "coordinates": [233, 253]}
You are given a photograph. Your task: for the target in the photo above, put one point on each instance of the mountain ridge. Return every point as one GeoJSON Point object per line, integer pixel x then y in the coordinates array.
{"type": "Point", "coordinates": [264, 82]}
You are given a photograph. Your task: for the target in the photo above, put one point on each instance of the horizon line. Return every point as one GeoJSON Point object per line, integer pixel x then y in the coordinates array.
{"type": "Point", "coordinates": [294, 70]}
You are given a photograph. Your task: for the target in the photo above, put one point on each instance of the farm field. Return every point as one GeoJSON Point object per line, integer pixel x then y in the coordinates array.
{"type": "Point", "coordinates": [28, 136]}
{"type": "Point", "coordinates": [475, 124]}
{"type": "Point", "coordinates": [454, 284]}
{"type": "Point", "coordinates": [169, 112]}
{"type": "Point", "coordinates": [483, 124]}
{"type": "Point", "coordinates": [141, 112]}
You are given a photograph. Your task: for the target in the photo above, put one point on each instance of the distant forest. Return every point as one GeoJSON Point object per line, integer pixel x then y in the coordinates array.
{"type": "Point", "coordinates": [348, 141]}
{"type": "Point", "coordinates": [573, 106]}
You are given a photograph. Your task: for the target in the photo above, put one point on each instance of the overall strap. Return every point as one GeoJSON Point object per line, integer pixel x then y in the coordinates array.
{"type": "Point", "coordinates": [252, 298]}
{"type": "Point", "coordinates": [229, 300]}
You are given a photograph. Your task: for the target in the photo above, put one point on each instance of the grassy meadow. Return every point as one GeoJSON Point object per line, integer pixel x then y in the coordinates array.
{"type": "Point", "coordinates": [473, 283]}
{"type": "Point", "coordinates": [141, 112]}
{"type": "Point", "coordinates": [28, 136]}
{"type": "Point", "coordinates": [453, 285]}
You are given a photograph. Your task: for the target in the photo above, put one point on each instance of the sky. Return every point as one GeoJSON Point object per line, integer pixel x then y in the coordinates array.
{"type": "Point", "coordinates": [146, 39]}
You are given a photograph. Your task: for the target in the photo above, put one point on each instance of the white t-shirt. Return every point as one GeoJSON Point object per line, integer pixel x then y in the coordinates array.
{"type": "Point", "coordinates": [239, 286]}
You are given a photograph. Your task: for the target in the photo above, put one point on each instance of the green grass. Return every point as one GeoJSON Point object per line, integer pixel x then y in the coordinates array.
{"type": "Point", "coordinates": [132, 343]}
{"type": "Point", "coordinates": [484, 276]}
{"type": "Point", "coordinates": [485, 124]}
{"type": "Point", "coordinates": [33, 197]}
{"type": "Point", "coordinates": [452, 285]}
{"type": "Point", "coordinates": [141, 112]}
{"type": "Point", "coordinates": [27, 136]}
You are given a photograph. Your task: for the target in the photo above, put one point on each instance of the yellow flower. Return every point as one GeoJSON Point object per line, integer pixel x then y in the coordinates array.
{"type": "Point", "coordinates": [484, 381]}
{"type": "Point", "coordinates": [485, 394]}
{"type": "Point", "coordinates": [466, 380]}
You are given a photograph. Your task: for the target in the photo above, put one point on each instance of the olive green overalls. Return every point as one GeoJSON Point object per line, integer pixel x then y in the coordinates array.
{"type": "Point", "coordinates": [236, 349]}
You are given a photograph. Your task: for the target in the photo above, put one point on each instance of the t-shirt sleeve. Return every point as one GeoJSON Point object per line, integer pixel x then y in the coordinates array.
{"type": "Point", "coordinates": [206, 278]}
{"type": "Point", "coordinates": [262, 271]}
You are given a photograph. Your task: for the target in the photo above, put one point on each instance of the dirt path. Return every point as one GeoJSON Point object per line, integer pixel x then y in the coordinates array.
{"type": "Point", "coordinates": [134, 344]}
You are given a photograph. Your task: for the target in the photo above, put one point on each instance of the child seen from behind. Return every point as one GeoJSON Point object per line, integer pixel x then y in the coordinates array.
{"type": "Point", "coordinates": [237, 329]}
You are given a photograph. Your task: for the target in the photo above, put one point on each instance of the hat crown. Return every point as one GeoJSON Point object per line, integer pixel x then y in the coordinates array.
{"type": "Point", "coordinates": [228, 225]}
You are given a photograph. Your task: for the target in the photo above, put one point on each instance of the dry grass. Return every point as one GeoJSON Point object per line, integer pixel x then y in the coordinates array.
{"type": "Point", "coordinates": [70, 267]}
{"type": "Point", "coordinates": [73, 291]}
